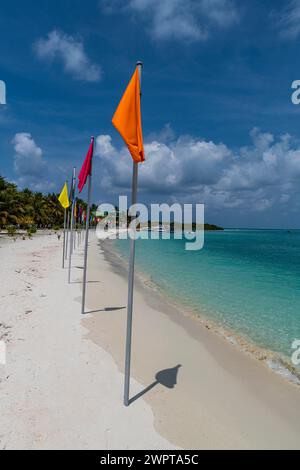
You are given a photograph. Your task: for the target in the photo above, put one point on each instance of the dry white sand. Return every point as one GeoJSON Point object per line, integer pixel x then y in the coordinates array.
{"type": "Point", "coordinates": [62, 385]}
{"type": "Point", "coordinates": [58, 390]}
{"type": "Point", "coordinates": [223, 398]}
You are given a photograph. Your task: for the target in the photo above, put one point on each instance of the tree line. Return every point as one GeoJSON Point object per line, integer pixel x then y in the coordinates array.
{"type": "Point", "coordinates": [25, 208]}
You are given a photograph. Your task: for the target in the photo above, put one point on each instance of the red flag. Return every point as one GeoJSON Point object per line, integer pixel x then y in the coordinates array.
{"type": "Point", "coordinates": [86, 169]}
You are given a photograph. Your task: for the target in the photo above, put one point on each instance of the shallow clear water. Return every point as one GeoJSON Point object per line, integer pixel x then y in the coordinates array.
{"type": "Point", "coordinates": [247, 281]}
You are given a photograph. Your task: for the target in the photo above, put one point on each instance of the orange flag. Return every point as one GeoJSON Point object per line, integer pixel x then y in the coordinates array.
{"type": "Point", "coordinates": [128, 120]}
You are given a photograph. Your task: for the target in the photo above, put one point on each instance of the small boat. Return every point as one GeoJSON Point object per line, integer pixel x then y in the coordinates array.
{"type": "Point", "coordinates": [159, 228]}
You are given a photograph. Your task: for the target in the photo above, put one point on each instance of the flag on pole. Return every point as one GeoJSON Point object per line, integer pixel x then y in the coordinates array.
{"type": "Point", "coordinates": [84, 175]}
{"type": "Point", "coordinates": [86, 169]}
{"type": "Point", "coordinates": [72, 191]}
{"type": "Point", "coordinates": [72, 200]}
{"type": "Point", "coordinates": [128, 120]}
{"type": "Point", "coordinates": [64, 198]}
{"type": "Point", "coordinates": [75, 210]}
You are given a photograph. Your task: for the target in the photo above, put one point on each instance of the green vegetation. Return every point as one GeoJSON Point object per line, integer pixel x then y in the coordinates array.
{"type": "Point", "coordinates": [11, 230]}
{"type": "Point", "coordinates": [31, 230]}
{"type": "Point", "coordinates": [29, 210]}
{"type": "Point", "coordinates": [211, 227]}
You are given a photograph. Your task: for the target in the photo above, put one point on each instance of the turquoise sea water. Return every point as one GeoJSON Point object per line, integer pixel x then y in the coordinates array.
{"type": "Point", "coordinates": [247, 281]}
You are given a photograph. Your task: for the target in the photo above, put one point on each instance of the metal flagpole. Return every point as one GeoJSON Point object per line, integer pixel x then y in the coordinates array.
{"type": "Point", "coordinates": [131, 280]}
{"type": "Point", "coordinates": [74, 228]}
{"type": "Point", "coordinates": [72, 224]}
{"type": "Point", "coordinates": [64, 247]}
{"type": "Point", "coordinates": [68, 214]}
{"type": "Point", "coordinates": [67, 237]}
{"type": "Point", "coordinates": [86, 243]}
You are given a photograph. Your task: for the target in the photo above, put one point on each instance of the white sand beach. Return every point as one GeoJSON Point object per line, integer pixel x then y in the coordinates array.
{"type": "Point", "coordinates": [58, 389]}
{"type": "Point", "coordinates": [62, 386]}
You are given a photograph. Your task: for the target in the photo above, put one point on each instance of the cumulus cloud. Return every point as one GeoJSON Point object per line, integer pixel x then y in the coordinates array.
{"type": "Point", "coordinates": [71, 53]}
{"type": "Point", "coordinates": [261, 177]}
{"type": "Point", "coordinates": [187, 169]}
{"type": "Point", "coordinates": [185, 20]}
{"type": "Point", "coordinates": [29, 164]}
{"type": "Point", "coordinates": [28, 156]}
{"type": "Point", "coordinates": [288, 20]}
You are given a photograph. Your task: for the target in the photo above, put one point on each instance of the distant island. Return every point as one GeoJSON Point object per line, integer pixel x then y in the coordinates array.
{"type": "Point", "coordinates": [211, 227]}
{"type": "Point", "coordinates": [194, 227]}
{"type": "Point", "coordinates": [174, 226]}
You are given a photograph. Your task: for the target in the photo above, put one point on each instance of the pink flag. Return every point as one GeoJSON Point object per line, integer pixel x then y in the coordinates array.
{"type": "Point", "coordinates": [86, 169]}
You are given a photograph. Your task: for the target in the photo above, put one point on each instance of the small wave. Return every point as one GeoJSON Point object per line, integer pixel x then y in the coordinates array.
{"type": "Point", "coordinates": [276, 363]}
{"type": "Point", "coordinates": [283, 369]}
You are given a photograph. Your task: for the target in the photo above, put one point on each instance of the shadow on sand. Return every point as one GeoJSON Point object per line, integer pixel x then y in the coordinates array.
{"type": "Point", "coordinates": [107, 309]}
{"type": "Point", "coordinates": [167, 378]}
{"type": "Point", "coordinates": [88, 282]}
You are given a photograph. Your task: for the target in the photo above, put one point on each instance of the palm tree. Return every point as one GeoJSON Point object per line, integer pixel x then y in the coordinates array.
{"type": "Point", "coordinates": [26, 208]}
{"type": "Point", "coordinates": [11, 208]}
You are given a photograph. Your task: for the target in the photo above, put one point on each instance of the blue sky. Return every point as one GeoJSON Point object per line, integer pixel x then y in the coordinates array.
{"type": "Point", "coordinates": [219, 124]}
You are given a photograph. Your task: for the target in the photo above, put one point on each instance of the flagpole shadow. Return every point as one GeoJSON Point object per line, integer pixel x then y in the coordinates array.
{"type": "Point", "coordinates": [88, 282]}
{"type": "Point", "coordinates": [167, 378]}
{"type": "Point", "coordinates": [107, 309]}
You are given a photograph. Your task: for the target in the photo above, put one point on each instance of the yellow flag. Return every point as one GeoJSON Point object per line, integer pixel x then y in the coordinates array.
{"type": "Point", "coordinates": [64, 198]}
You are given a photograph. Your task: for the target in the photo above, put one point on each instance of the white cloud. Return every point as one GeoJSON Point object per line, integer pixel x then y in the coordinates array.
{"type": "Point", "coordinates": [258, 178]}
{"type": "Point", "coordinates": [220, 12]}
{"type": "Point", "coordinates": [28, 156]}
{"type": "Point", "coordinates": [68, 50]}
{"type": "Point", "coordinates": [187, 169]}
{"type": "Point", "coordinates": [289, 20]}
{"type": "Point", "coordinates": [31, 168]}
{"type": "Point", "coordinates": [186, 20]}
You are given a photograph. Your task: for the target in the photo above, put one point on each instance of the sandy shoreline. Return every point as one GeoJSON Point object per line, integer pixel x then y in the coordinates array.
{"type": "Point", "coordinates": [223, 398]}
{"type": "Point", "coordinates": [58, 390]}
{"type": "Point", "coordinates": [62, 386]}
{"type": "Point", "coordinates": [274, 361]}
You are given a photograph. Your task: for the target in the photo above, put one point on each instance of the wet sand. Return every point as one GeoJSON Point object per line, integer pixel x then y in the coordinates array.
{"type": "Point", "coordinates": [220, 397]}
